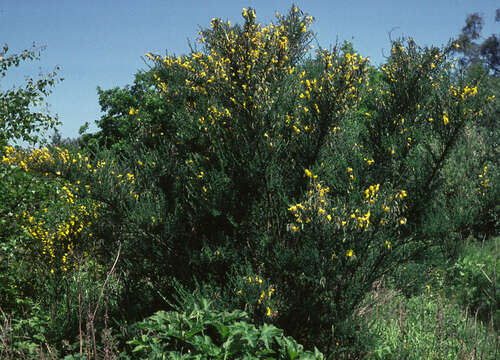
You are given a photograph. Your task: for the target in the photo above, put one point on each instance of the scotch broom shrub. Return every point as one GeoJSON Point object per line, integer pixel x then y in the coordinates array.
{"type": "Point", "coordinates": [298, 168]}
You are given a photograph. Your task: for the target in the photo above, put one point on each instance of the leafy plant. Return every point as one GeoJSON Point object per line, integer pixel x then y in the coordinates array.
{"type": "Point", "coordinates": [197, 331]}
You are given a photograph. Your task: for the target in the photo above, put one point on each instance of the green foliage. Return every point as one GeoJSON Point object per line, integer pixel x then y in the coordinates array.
{"type": "Point", "coordinates": [474, 282]}
{"type": "Point", "coordinates": [197, 331]}
{"type": "Point", "coordinates": [22, 192]}
{"type": "Point", "coordinates": [18, 120]}
{"type": "Point", "coordinates": [118, 123]}
{"type": "Point", "coordinates": [25, 338]}
{"type": "Point", "coordinates": [425, 327]}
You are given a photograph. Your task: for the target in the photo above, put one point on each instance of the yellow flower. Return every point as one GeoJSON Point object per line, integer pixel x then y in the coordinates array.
{"type": "Point", "coordinates": [268, 312]}
{"type": "Point", "coordinates": [308, 173]}
{"type": "Point", "coordinates": [349, 253]}
{"type": "Point", "coordinates": [445, 119]}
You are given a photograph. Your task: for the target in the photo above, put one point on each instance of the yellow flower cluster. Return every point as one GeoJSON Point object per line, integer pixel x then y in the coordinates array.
{"type": "Point", "coordinates": [483, 181]}
{"type": "Point", "coordinates": [24, 158]}
{"type": "Point", "coordinates": [257, 45]}
{"type": "Point", "coordinates": [351, 178]}
{"type": "Point", "coordinates": [319, 208]}
{"type": "Point", "coordinates": [58, 243]}
{"type": "Point", "coordinates": [242, 62]}
{"type": "Point", "coordinates": [265, 293]}
{"type": "Point", "coordinates": [371, 193]}
{"type": "Point", "coordinates": [464, 93]}
{"type": "Point", "coordinates": [60, 162]}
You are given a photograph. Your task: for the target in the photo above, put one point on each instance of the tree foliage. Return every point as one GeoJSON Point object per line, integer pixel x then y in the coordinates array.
{"type": "Point", "coordinates": [18, 118]}
{"type": "Point", "coordinates": [486, 52]}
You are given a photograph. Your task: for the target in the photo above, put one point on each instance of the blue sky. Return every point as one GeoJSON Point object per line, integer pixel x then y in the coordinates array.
{"type": "Point", "coordinates": [102, 42]}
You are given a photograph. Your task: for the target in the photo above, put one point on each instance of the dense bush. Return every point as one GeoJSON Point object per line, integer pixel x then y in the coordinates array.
{"type": "Point", "coordinates": [296, 170]}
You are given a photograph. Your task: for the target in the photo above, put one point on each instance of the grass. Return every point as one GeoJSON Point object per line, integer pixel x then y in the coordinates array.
{"type": "Point", "coordinates": [426, 326]}
{"type": "Point", "coordinates": [447, 322]}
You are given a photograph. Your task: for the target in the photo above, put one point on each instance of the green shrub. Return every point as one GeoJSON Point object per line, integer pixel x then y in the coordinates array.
{"type": "Point", "coordinates": [197, 331]}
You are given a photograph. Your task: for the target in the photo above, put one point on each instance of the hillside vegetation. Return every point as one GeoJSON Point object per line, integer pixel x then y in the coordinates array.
{"type": "Point", "coordinates": [254, 199]}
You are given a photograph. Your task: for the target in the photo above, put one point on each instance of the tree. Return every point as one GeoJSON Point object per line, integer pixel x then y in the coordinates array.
{"type": "Point", "coordinates": [22, 116]}
{"type": "Point", "coordinates": [486, 52]}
